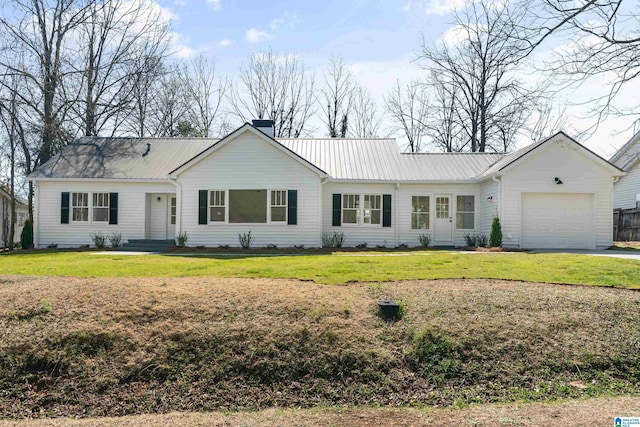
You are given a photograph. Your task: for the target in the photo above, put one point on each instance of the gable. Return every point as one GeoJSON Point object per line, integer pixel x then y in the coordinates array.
{"type": "Point", "coordinates": [628, 156]}
{"type": "Point", "coordinates": [241, 135]}
{"type": "Point", "coordinates": [566, 150]}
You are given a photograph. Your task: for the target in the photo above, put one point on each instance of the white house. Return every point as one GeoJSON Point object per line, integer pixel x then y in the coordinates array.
{"type": "Point", "coordinates": [552, 194]}
{"type": "Point", "coordinates": [6, 217]}
{"type": "Point", "coordinates": [626, 192]}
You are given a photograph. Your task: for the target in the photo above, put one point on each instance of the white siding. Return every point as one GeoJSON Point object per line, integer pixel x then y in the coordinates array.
{"type": "Point", "coordinates": [625, 190]}
{"type": "Point", "coordinates": [131, 208]}
{"type": "Point", "coordinates": [536, 173]}
{"type": "Point", "coordinates": [249, 162]}
{"type": "Point", "coordinates": [489, 204]}
{"type": "Point", "coordinates": [400, 212]}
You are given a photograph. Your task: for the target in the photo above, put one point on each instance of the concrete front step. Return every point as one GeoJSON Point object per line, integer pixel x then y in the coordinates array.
{"type": "Point", "coordinates": [147, 245]}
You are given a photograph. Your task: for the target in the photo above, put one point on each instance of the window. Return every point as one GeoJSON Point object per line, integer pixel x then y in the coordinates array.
{"type": "Point", "coordinates": [173, 210]}
{"type": "Point", "coordinates": [216, 206]}
{"type": "Point", "coordinates": [372, 208]}
{"type": "Point", "coordinates": [442, 207]}
{"type": "Point", "coordinates": [420, 212]}
{"type": "Point", "coordinates": [465, 213]}
{"type": "Point", "coordinates": [80, 207]}
{"type": "Point", "coordinates": [638, 201]}
{"type": "Point", "coordinates": [248, 206]}
{"type": "Point", "coordinates": [350, 208]}
{"type": "Point", "coordinates": [278, 205]}
{"type": "Point", "coordinates": [22, 217]}
{"type": "Point", "coordinates": [100, 207]}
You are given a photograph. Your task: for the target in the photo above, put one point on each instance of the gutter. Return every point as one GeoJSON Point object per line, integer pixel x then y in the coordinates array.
{"type": "Point", "coordinates": [396, 197]}
{"type": "Point", "coordinates": [323, 181]}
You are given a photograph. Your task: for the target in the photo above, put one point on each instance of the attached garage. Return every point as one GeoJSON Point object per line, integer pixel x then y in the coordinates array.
{"type": "Point", "coordinates": [558, 220]}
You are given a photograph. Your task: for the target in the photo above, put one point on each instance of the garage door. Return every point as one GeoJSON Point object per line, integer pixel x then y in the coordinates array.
{"type": "Point", "coordinates": [557, 220]}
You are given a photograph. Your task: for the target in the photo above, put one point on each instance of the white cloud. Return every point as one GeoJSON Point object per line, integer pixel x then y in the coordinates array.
{"type": "Point", "coordinates": [254, 36]}
{"type": "Point", "coordinates": [288, 20]}
{"type": "Point", "coordinates": [226, 43]}
{"type": "Point", "coordinates": [215, 4]}
{"type": "Point", "coordinates": [443, 7]}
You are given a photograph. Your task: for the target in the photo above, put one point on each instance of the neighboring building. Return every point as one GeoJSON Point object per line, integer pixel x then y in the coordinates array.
{"type": "Point", "coordinates": [626, 192]}
{"type": "Point", "coordinates": [552, 194]}
{"type": "Point", "coordinates": [22, 212]}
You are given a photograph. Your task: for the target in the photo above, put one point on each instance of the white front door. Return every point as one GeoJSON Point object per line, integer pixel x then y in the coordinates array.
{"type": "Point", "coordinates": [443, 224]}
{"type": "Point", "coordinates": [158, 216]}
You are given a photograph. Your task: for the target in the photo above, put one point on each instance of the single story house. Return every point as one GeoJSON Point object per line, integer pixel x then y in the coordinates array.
{"type": "Point", "coordinates": [552, 194]}
{"type": "Point", "coordinates": [626, 192]}
{"type": "Point", "coordinates": [22, 212]}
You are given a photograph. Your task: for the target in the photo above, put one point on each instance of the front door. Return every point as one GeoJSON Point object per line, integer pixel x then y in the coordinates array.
{"type": "Point", "coordinates": [443, 226]}
{"type": "Point", "coordinates": [158, 216]}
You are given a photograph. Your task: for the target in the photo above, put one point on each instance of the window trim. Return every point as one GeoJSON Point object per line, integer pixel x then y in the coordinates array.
{"type": "Point", "coordinates": [370, 224]}
{"type": "Point", "coordinates": [88, 207]}
{"type": "Point", "coordinates": [107, 207]}
{"type": "Point", "coordinates": [211, 205]}
{"type": "Point", "coordinates": [358, 210]}
{"type": "Point", "coordinates": [428, 213]}
{"type": "Point", "coordinates": [173, 210]}
{"type": "Point", "coordinates": [475, 211]}
{"type": "Point", "coordinates": [268, 206]}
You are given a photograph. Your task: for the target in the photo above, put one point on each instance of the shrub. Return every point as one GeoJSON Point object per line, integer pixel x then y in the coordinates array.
{"type": "Point", "coordinates": [115, 239]}
{"type": "Point", "coordinates": [333, 240]}
{"type": "Point", "coordinates": [182, 239]}
{"type": "Point", "coordinates": [477, 239]}
{"type": "Point", "coordinates": [272, 246]}
{"type": "Point", "coordinates": [424, 239]}
{"type": "Point", "coordinates": [362, 245]}
{"type": "Point", "coordinates": [26, 237]}
{"type": "Point", "coordinates": [245, 239]}
{"type": "Point", "coordinates": [482, 240]}
{"type": "Point", "coordinates": [495, 238]}
{"type": "Point", "coordinates": [98, 239]}
{"type": "Point", "coordinates": [470, 239]}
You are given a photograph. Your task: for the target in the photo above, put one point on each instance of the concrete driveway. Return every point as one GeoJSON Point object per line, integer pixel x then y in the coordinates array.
{"type": "Point", "coordinates": [607, 253]}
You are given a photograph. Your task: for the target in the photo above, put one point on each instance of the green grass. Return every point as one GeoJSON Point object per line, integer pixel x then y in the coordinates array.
{"type": "Point", "coordinates": [337, 268]}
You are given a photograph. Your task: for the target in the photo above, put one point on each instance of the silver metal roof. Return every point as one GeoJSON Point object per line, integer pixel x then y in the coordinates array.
{"type": "Point", "coordinates": [121, 158]}
{"type": "Point", "coordinates": [343, 159]}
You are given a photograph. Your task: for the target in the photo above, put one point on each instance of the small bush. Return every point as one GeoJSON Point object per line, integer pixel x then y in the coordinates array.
{"type": "Point", "coordinates": [424, 239]}
{"type": "Point", "coordinates": [495, 238]}
{"type": "Point", "coordinates": [482, 240]}
{"type": "Point", "coordinates": [115, 239]}
{"type": "Point", "coordinates": [475, 240]}
{"type": "Point", "coordinates": [245, 239]}
{"type": "Point", "coordinates": [272, 246]}
{"type": "Point", "coordinates": [470, 239]}
{"type": "Point", "coordinates": [181, 240]}
{"type": "Point", "coordinates": [362, 245]}
{"type": "Point", "coordinates": [333, 240]}
{"type": "Point", "coordinates": [52, 246]}
{"type": "Point", "coordinates": [26, 237]}
{"type": "Point", "coordinates": [99, 239]}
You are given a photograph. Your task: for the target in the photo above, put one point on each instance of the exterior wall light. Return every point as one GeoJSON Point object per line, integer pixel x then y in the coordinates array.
{"type": "Point", "coordinates": [557, 180]}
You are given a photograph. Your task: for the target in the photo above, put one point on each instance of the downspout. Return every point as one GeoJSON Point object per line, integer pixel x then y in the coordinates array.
{"type": "Point", "coordinates": [323, 181]}
{"type": "Point", "coordinates": [397, 204]}
{"type": "Point", "coordinates": [36, 217]}
{"type": "Point", "coordinates": [498, 179]}
{"type": "Point", "coordinates": [178, 230]}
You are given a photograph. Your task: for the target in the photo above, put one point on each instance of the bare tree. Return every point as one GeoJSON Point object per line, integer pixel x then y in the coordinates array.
{"type": "Point", "coordinates": [442, 124]}
{"type": "Point", "coordinates": [483, 65]}
{"type": "Point", "coordinates": [144, 86]}
{"type": "Point", "coordinates": [407, 104]}
{"type": "Point", "coordinates": [37, 39]}
{"type": "Point", "coordinates": [336, 97]}
{"type": "Point", "coordinates": [365, 117]}
{"type": "Point", "coordinates": [275, 87]}
{"type": "Point", "coordinates": [116, 39]}
{"type": "Point", "coordinates": [205, 92]}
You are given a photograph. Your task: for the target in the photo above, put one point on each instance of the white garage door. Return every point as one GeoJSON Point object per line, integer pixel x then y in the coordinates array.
{"type": "Point", "coordinates": [557, 220]}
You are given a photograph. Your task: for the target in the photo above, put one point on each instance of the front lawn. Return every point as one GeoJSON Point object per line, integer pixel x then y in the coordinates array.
{"type": "Point", "coordinates": [337, 268]}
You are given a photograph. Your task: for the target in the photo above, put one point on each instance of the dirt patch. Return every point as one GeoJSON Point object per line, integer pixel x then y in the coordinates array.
{"type": "Point", "coordinates": [110, 347]}
{"type": "Point", "coordinates": [577, 413]}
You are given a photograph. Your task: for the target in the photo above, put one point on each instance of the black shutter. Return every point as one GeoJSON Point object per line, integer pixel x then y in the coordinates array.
{"type": "Point", "coordinates": [337, 210]}
{"type": "Point", "coordinates": [64, 209]}
{"type": "Point", "coordinates": [386, 210]}
{"type": "Point", "coordinates": [292, 207]}
{"type": "Point", "coordinates": [202, 206]}
{"type": "Point", "coordinates": [113, 208]}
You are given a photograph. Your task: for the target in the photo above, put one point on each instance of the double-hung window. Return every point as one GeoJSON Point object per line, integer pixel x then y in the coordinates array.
{"type": "Point", "coordinates": [278, 205]}
{"type": "Point", "coordinates": [465, 212]}
{"type": "Point", "coordinates": [420, 212]}
{"type": "Point", "coordinates": [350, 208]}
{"type": "Point", "coordinates": [372, 208]}
{"type": "Point", "coordinates": [217, 206]}
{"type": "Point", "coordinates": [80, 207]}
{"type": "Point", "coordinates": [173, 210]}
{"type": "Point", "coordinates": [100, 207]}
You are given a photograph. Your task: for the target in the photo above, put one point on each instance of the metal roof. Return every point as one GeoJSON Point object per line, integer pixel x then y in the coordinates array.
{"type": "Point", "coordinates": [121, 158]}
{"type": "Point", "coordinates": [342, 159]}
